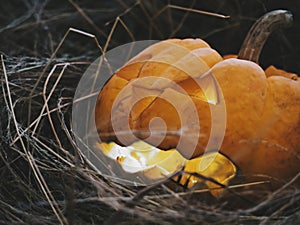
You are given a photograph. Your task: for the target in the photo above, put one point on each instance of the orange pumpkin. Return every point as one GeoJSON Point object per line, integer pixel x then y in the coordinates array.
{"type": "Point", "coordinates": [263, 107]}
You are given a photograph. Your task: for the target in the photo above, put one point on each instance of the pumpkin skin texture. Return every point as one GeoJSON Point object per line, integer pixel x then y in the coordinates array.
{"type": "Point", "coordinates": [194, 51]}
{"type": "Point", "coordinates": [270, 147]}
{"type": "Point", "coordinates": [263, 110]}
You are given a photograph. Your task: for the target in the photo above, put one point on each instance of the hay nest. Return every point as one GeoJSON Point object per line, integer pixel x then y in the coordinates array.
{"type": "Point", "coordinates": [44, 177]}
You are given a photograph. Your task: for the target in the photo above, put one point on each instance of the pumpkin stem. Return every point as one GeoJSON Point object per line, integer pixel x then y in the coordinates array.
{"type": "Point", "coordinates": [260, 31]}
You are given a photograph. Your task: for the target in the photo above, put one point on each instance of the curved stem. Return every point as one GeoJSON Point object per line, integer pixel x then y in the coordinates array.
{"type": "Point", "coordinates": [260, 31]}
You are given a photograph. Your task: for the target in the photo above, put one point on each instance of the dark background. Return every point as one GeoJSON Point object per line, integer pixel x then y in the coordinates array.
{"type": "Point", "coordinates": [34, 28]}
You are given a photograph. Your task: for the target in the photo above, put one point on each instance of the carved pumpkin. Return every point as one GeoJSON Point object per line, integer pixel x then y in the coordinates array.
{"type": "Point", "coordinates": [263, 107]}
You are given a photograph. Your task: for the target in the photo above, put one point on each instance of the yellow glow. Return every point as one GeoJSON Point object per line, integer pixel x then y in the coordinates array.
{"type": "Point", "coordinates": [156, 164]}
{"type": "Point", "coordinates": [221, 169]}
{"type": "Point", "coordinates": [142, 157]}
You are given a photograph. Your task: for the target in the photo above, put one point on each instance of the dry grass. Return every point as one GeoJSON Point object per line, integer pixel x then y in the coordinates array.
{"type": "Point", "coordinates": [44, 178]}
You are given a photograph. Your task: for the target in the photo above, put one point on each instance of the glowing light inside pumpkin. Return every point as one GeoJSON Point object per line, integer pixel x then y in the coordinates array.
{"type": "Point", "coordinates": [208, 85]}
{"type": "Point", "coordinates": [156, 164]}
{"type": "Point", "coordinates": [142, 157]}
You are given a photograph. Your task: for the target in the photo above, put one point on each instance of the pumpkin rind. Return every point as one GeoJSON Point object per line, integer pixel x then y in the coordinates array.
{"type": "Point", "coordinates": [263, 113]}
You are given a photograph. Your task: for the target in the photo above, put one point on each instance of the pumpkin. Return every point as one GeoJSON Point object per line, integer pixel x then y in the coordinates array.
{"type": "Point", "coordinates": [262, 107]}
